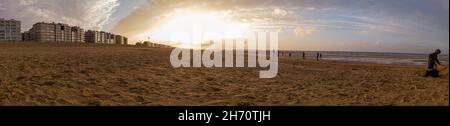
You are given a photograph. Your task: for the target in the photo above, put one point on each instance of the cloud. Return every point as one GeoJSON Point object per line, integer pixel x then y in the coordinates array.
{"type": "Point", "coordinates": [385, 17]}
{"type": "Point", "coordinates": [279, 12]}
{"type": "Point", "coordinates": [310, 8]}
{"type": "Point", "coordinates": [304, 31]}
{"type": "Point", "coordinates": [422, 23]}
{"type": "Point", "coordinates": [379, 43]}
{"type": "Point", "coordinates": [89, 14]}
{"type": "Point", "coordinates": [155, 12]}
{"type": "Point", "coordinates": [403, 22]}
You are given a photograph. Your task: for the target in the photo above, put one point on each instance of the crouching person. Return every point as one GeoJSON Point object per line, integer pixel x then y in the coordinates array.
{"type": "Point", "coordinates": [433, 61]}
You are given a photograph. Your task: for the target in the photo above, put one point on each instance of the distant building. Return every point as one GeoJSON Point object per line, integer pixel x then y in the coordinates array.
{"type": "Point", "coordinates": [104, 37]}
{"type": "Point", "coordinates": [26, 36]}
{"type": "Point", "coordinates": [92, 36]}
{"type": "Point", "coordinates": [77, 34]}
{"type": "Point", "coordinates": [58, 32]}
{"type": "Point", "coordinates": [155, 45]}
{"type": "Point", "coordinates": [121, 40]}
{"type": "Point", "coordinates": [10, 30]}
{"type": "Point", "coordinates": [54, 32]}
{"type": "Point", "coordinates": [125, 40]}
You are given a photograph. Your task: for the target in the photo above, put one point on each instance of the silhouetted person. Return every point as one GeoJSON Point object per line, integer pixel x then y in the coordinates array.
{"type": "Point", "coordinates": [303, 55]}
{"type": "Point", "coordinates": [320, 55]}
{"type": "Point", "coordinates": [433, 61]}
{"type": "Point", "coordinates": [317, 57]}
{"type": "Point", "coordinates": [289, 54]}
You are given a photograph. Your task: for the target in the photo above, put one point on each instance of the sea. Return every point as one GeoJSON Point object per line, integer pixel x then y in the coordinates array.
{"type": "Point", "coordinates": [368, 57]}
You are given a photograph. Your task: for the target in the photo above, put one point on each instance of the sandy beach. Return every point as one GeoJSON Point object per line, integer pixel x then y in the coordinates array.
{"type": "Point", "coordinates": [93, 74]}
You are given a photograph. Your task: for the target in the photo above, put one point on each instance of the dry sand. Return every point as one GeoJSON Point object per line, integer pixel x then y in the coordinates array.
{"type": "Point", "coordinates": [87, 74]}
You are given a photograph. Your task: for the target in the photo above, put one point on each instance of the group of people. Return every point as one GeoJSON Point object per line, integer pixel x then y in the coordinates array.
{"type": "Point", "coordinates": [318, 56]}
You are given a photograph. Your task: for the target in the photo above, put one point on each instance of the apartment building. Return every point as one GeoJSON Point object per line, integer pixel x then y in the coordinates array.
{"type": "Point", "coordinates": [54, 32]}
{"type": "Point", "coordinates": [10, 30]}
{"type": "Point", "coordinates": [92, 36]}
{"type": "Point", "coordinates": [104, 37]}
{"type": "Point", "coordinates": [77, 34]}
{"type": "Point", "coordinates": [26, 36]}
{"type": "Point", "coordinates": [121, 40]}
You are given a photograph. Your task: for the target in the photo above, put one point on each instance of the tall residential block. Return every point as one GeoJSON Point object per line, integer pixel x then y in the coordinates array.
{"type": "Point", "coordinates": [10, 30]}
{"type": "Point", "coordinates": [121, 40]}
{"type": "Point", "coordinates": [104, 37]}
{"type": "Point", "coordinates": [54, 32]}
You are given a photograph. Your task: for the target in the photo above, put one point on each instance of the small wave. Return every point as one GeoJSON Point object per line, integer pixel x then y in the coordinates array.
{"type": "Point", "coordinates": [381, 60]}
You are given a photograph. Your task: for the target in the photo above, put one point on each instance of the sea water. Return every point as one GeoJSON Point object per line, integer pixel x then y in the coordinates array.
{"type": "Point", "coordinates": [369, 57]}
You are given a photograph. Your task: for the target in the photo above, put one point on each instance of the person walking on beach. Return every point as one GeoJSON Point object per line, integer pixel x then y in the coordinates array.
{"type": "Point", "coordinates": [433, 61]}
{"type": "Point", "coordinates": [320, 55]}
{"type": "Point", "coordinates": [303, 55]}
{"type": "Point", "coordinates": [317, 56]}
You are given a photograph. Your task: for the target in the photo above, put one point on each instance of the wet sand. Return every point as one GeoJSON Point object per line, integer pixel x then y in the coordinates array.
{"type": "Point", "coordinates": [89, 74]}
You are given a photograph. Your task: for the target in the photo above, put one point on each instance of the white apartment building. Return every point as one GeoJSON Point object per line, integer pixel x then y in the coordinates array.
{"type": "Point", "coordinates": [10, 30]}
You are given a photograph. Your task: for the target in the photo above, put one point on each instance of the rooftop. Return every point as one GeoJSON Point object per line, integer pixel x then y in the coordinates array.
{"type": "Point", "coordinates": [3, 19]}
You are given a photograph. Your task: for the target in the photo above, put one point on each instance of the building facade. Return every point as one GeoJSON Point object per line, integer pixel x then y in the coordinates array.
{"type": "Point", "coordinates": [58, 32]}
{"type": "Point", "coordinates": [104, 37]}
{"type": "Point", "coordinates": [10, 30]}
{"type": "Point", "coordinates": [54, 32]}
{"type": "Point", "coordinates": [121, 40]}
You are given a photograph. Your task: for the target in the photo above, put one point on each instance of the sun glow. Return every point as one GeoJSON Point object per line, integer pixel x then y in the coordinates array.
{"type": "Point", "coordinates": [181, 28]}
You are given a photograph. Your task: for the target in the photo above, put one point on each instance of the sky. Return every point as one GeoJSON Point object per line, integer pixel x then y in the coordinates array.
{"type": "Point", "coordinates": [406, 26]}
